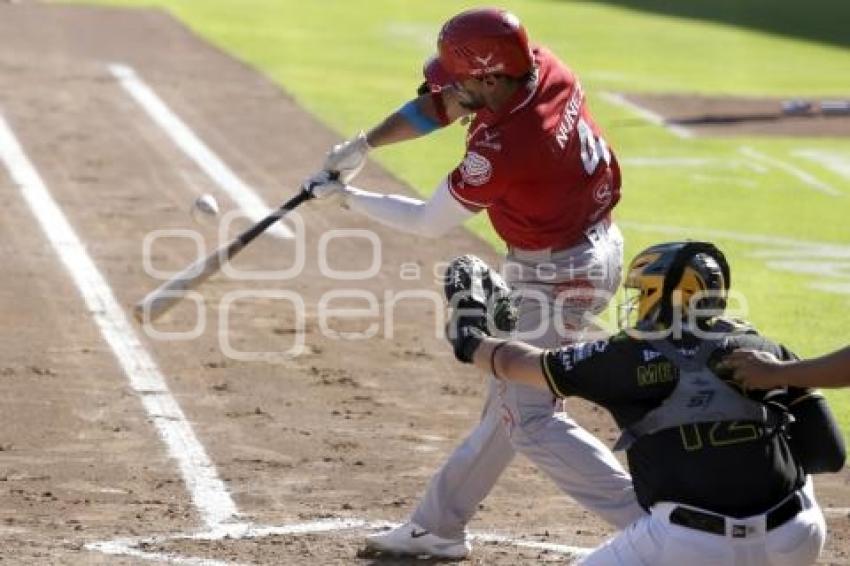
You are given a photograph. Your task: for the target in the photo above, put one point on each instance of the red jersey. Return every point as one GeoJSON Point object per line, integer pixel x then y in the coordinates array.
{"type": "Point", "coordinates": [539, 165]}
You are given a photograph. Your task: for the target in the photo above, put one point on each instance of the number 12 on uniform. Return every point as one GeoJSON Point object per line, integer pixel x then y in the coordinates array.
{"type": "Point", "coordinates": [719, 434]}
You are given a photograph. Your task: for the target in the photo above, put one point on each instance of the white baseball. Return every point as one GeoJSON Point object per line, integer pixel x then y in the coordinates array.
{"type": "Point", "coordinates": [204, 208]}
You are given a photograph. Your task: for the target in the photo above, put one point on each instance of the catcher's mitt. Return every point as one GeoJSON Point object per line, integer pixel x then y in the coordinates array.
{"type": "Point", "coordinates": [481, 305]}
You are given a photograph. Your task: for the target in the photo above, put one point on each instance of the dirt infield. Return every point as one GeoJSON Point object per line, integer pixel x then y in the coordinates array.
{"type": "Point", "coordinates": [740, 116]}
{"type": "Point", "coordinates": [314, 450]}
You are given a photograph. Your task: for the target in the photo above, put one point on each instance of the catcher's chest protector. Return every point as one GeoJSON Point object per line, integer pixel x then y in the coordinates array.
{"type": "Point", "coordinates": [699, 397]}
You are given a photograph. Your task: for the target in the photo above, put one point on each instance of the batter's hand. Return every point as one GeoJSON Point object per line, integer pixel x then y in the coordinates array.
{"type": "Point", "coordinates": [348, 158]}
{"type": "Point", "coordinates": [324, 186]}
{"type": "Point", "coordinates": [755, 370]}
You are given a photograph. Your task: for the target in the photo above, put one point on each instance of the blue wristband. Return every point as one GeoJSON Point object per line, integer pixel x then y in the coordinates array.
{"type": "Point", "coordinates": [413, 114]}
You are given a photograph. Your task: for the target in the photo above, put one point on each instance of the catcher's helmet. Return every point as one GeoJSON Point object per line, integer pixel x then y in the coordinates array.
{"type": "Point", "coordinates": [484, 41]}
{"type": "Point", "coordinates": [667, 276]}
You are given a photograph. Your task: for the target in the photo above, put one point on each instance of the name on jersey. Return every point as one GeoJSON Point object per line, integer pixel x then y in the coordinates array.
{"type": "Point", "coordinates": [652, 374]}
{"type": "Point", "coordinates": [570, 117]}
{"type": "Point", "coordinates": [651, 354]}
{"type": "Point", "coordinates": [584, 350]}
{"type": "Point", "coordinates": [569, 356]}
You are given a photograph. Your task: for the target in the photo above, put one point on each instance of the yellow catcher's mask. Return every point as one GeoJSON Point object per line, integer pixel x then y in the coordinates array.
{"type": "Point", "coordinates": [666, 280]}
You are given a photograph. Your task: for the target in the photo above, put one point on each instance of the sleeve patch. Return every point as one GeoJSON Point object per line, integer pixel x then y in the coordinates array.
{"type": "Point", "coordinates": [476, 170]}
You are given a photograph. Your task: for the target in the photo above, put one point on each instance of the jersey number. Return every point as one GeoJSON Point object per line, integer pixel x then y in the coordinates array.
{"type": "Point", "coordinates": [593, 148]}
{"type": "Point", "coordinates": [719, 434]}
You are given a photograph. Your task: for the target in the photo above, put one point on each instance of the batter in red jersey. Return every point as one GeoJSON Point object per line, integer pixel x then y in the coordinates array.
{"type": "Point", "coordinates": [538, 164]}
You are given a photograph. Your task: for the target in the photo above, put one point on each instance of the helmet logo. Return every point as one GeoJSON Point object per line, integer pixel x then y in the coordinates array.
{"type": "Point", "coordinates": [602, 193]}
{"type": "Point", "coordinates": [484, 60]}
{"type": "Point", "coordinates": [476, 169]}
{"type": "Point", "coordinates": [484, 41]}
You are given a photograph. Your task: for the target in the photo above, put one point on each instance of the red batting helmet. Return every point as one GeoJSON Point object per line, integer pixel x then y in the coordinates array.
{"type": "Point", "coordinates": [484, 41]}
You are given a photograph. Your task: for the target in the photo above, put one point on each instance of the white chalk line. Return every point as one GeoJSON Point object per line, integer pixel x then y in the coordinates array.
{"type": "Point", "coordinates": [713, 163]}
{"type": "Point", "coordinates": [207, 491]}
{"type": "Point", "coordinates": [728, 181]}
{"type": "Point", "coordinates": [204, 157]}
{"type": "Point", "coordinates": [673, 162]}
{"type": "Point", "coordinates": [567, 550]}
{"type": "Point", "coordinates": [818, 260]}
{"type": "Point", "coordinates": [134, 546]}
{"type": "Point", "coordinates": [647, 114]}
{"type": "Point", "coordinates": [807, 178]}
{"type": "Point", "coordinates": [130, 548]}
{"type": "Point", "coordinates": [825, 248]}
{"type": "Point", "coordinates": [840, 288]}
{"type": "Point", "coordinates": [837, 162]}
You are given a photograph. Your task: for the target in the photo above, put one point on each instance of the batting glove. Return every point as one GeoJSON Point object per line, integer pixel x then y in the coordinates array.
{"type": "Point", "coordinates": [324, 186]}
{"type": "Point", "coordinates": [348, 158]}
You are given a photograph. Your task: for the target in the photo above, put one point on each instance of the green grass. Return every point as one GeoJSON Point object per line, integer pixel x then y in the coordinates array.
{"type": "Point", "coordinates": [350, 62]}
{"type": "Point", "coordinates": [824, 21]}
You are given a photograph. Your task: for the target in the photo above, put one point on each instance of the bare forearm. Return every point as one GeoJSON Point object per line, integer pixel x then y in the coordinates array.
{"type": "Point", "coordinates": [398, 128]}
{"type": "Point", "coordinates": [395, 128]}
{"type": "Point", "coordinates": [514, 361]}
{"type": "Point", "coordinates": [760, 370]}
{"type": "Point", "coordinates": [831, 370]}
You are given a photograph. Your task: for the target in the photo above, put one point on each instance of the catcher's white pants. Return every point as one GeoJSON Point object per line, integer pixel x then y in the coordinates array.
{"type": "Point", "coordinates": [518, 418]}
{"type": "Point", "coordinates": [654, 541]}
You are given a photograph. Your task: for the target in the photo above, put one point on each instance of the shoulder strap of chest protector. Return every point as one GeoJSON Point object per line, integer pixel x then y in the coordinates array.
{"type": "Point", "coordinates": [699, 397]}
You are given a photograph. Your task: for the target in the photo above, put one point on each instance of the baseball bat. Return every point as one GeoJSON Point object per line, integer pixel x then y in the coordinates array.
{"type": "Point", "coordinates": [160, 300]}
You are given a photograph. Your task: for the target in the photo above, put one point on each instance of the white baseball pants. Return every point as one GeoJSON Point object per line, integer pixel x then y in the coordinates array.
{"type": "Point", "coordinates": [518, 418]}
{"type": "Point", "coordinates": [654, 541]}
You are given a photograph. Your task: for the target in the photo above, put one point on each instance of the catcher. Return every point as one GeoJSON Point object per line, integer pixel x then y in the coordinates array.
{"type": "Point", "coordinates": [724, 475]}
